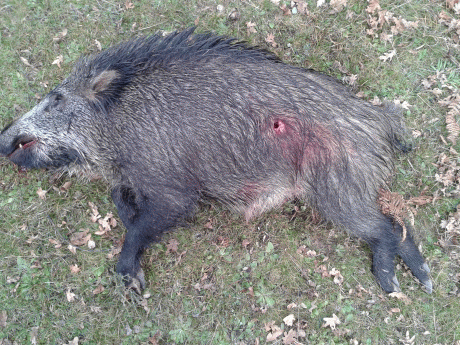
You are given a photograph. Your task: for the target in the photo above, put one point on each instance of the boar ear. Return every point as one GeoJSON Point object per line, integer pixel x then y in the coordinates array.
{"type": "Point", "coordinates": [103, 81]}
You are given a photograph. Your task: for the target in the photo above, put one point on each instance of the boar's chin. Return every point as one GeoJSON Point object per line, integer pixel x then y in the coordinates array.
{"type": "Point", "coordinates": [33, 155]}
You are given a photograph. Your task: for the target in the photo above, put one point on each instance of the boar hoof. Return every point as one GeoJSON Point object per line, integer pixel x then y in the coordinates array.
{"type": "Point", "coordinates": [395, 282]}
{"type": "Point", "coordinates": [137, 283]}
{"type": "Point", "coordinates": [427, 282]}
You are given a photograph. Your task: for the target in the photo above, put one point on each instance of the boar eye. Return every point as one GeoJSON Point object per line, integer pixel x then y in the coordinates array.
{"type": "Point", "coordinates": [57, 99]}
{"type": "Point", "coordinates": [54, 101]}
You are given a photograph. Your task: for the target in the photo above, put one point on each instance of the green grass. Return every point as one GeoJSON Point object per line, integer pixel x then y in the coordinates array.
{"type": "Point", "coordinates": [227, 279]}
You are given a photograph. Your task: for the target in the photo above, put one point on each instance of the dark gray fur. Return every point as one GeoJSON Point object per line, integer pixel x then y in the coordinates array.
{"type": "Point", "coordinates": [170, 120]}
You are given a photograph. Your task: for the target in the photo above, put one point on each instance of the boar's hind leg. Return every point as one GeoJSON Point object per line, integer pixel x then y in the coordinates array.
{"type": "Point", "coordinates": [389, 244]}
{"type": "Point", "coordinates": [145, 219]}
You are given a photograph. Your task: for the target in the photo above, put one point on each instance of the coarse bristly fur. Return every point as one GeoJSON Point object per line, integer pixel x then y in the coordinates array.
{"type": "Point", "coordinates": [169, 120]}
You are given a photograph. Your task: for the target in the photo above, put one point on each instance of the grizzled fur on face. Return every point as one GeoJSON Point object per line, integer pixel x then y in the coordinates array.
{"type": "Point", "coordinates": [170, 120]}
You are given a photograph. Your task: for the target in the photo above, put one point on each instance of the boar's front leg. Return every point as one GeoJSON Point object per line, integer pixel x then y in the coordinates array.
{"type": "Point", "coordinates": [145, 218]}
{"type": "Point", "coordinates": [386, 246]}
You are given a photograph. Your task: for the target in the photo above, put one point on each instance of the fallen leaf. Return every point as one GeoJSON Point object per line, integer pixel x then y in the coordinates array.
{"type": "Point", "coordinates": [25, 61]}
{"type": "Point", "coordinates": [376, 101]}
{"type": "Point", "coordinates": [98, 290]}
{"type": "Point", "coordinates": [74, 269]}
{"type": "Point", "coordinates": [129, 5]}
{"type": "Point", "coordinates": [98, 45]}
{"type": "Point", "coordinates": [59, 59]}
{"type": "Point", "coordinates": [74, 341]}
{"type": "Point", "coordinates": [373, 6]}
{"type": "Point", "coordinates": [60, 36]}
{"type": "Point", "coordinates": [388, 56]}
{"type": "Point", "coordinates": [172, 246]}
{"type": "Point", "coordinates": [250, 27]}
{"type": "Point", "coordinates": [331, 321]}
{"type": "Point", "coordinates": [286, 10]}
{"type": "Point", "coordinates": [66, 186]}
{"type": "Point", "coordinates": [338, 5]}
{"type": "Point", "coordinates": [70, 296]}
{"type": "Point", "coordinates": [400, 296]}
{"type": "Point", "coordinates": [453, 128]}
{"type": "Point", "coordinates": [273, 335]}
{"type": "Point", "coordinates": [271, 39]}
{"type": "Point", "coordinates": [289, 320]}
{"type": "Point", "coordinates": [80, 238]}
{"type": "Point", "coordinates": [404, 104]}
{"type": "Point", "coordinates": [72, 249]}
{"type": "Point", "coordinates": [302, 7]}
{"type": "Point", "coordinates": [41, 193]}
{"type": "Point", "coordinates": [290, 337]}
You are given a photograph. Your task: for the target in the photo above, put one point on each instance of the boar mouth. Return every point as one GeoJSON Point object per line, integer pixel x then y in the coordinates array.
{"type": "Point", "coordinates": [23, 142]}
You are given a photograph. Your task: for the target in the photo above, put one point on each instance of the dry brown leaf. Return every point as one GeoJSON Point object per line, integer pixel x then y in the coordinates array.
{"type": "Point", "coordinates": [72, 249]}
{"type": "Point", "coordinates": [388, 56]}
{"type": "Point", "coordinates": [452, 126]}
{"type": "Point", "coordinates": [420, 200]}
{"type": "Point", "coordinates": [154, 340]}
{"type": "Point", "coordinates": [394, 205]}
{"type": "Point", "coordinates": [41, 193]}
{"type": "Point", "coordinates": [113, 252]}
{"type": "Point", "coordinates": [98, 45]}
{"type": "Point", "coordinates": [401, 297]}
{"type": "Point", "coordinates": [250, 27]}
{"type": "Point", "coordinates": [74, 341]}
{"type": "Point", "coordinates": [208, 224]}
{"type": "Point", "coordinates": [373, 6]}
{"type": "Point", "coordinates": [452, 3]}
{"type": "Point", "coordinates": [25, 61]}
{"type": "Point", "coordinates": [289, 320]}
{"type": "Point", "coordinates": [74, 269]}
{"type": "Point", "coordinates": [80, 238]}
{"type": "Point", "coordinates": [404, 104]}
{"type": "Point", "coordinates": [338, 278]}
{"type": "Point", "coordinates": [286, 10]}
{"type": "Point", "coordinates": [320, 3]}
{"type": "Point", "coordinates": [271, 39]}
{"type": "Point", "coordinates": [274, 334]}
{"type": "Point", "coordinates": [56, 243]}
{"type": "Point", "coordinates": [70, 296]}
{"type": "Point", "coordinates": [60, 36]}
{"type": "Point", "coordinates": [291, 306]}
{"type": "Point", "coordinates": [290, 337]}
{"type": "Point", "coordinates": [66, 186]}
{"type": "Point", "coordinates": [59, 59]}
{"type": "Point", "coordinates": [302, 7]}
{"type": "Point", "coordinates": [172, 246]}
{"type": "Point", "coordinates": [98, 290]}
{"type": "Point", "coordinates": [129, 5]}
{"type": "Point", "coordinates": [338, 5]}
{"type": "Point", "coordinates": [376, 101]}
{"type": "Point", "coordinates": [331, 321]}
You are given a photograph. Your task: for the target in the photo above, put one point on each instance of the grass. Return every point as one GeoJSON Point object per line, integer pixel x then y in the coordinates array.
{"type": "Point", "coordinates": [228, 280]}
